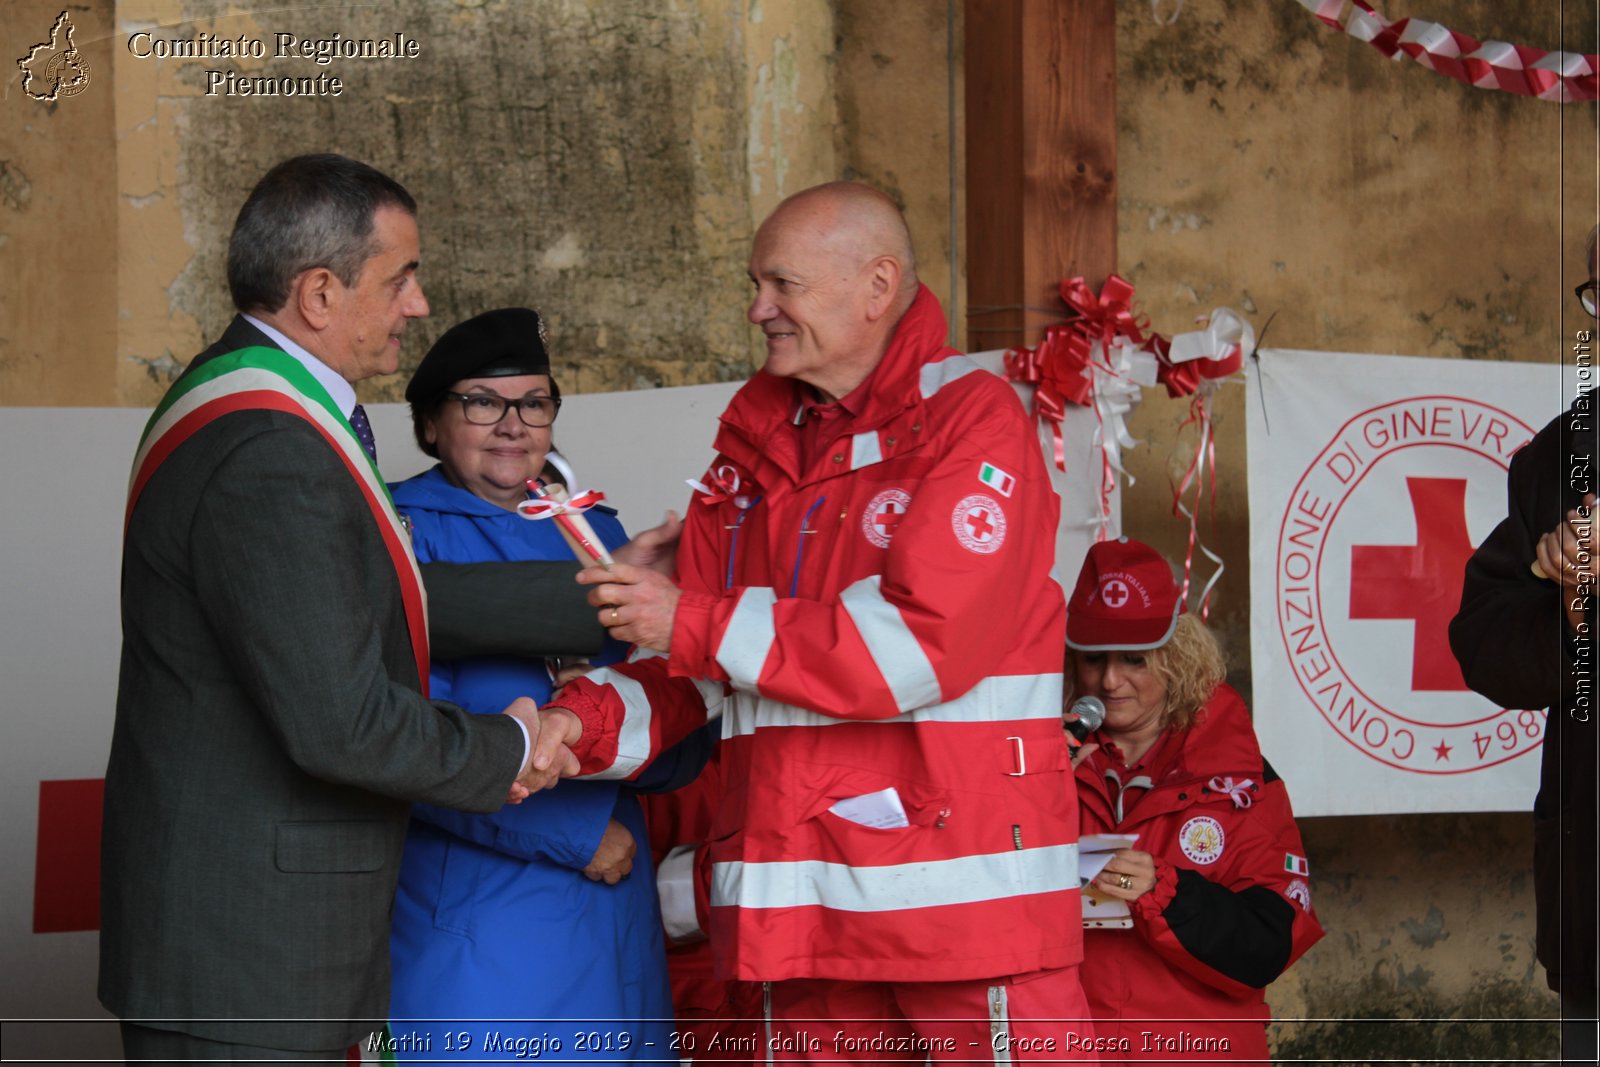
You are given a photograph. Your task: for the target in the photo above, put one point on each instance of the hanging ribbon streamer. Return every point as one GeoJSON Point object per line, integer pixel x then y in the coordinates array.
{"type": "Point", "coordinates": [1119, 381]}
{"type": "Point", "coordinates": [1196, 364]}
{"type": "Point", "coordinates": [1562, 77]}
{"type": "Point", "coordinates": [1102, 357]}
{"type": "Point", "coordinates": [1203, 464]}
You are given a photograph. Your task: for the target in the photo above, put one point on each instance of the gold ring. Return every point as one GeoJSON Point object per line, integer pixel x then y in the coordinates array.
{"type": "Point", "coordinates": [1124, 881]}
{"type": "Point", "coordinates": [613, 615]}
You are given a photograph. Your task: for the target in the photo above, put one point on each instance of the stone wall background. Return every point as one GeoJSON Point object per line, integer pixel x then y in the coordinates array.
{"type": "Point", "coordinates": [608, 160]}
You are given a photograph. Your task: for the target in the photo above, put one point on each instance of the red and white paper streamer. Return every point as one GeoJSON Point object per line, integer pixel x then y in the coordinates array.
{"type": "Point", "coordinates": [1196, 364]}
{"type": "Point", "coordinates": [1562, 77]}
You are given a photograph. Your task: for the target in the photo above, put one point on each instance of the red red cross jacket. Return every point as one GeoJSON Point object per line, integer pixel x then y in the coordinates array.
{"type": "Point", "coordinates": [1231, 909]}
{"type": "Point", "coordinates": [884, 618]}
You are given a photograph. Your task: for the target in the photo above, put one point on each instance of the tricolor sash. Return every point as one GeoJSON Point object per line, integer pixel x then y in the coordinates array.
{"type": "Point", "coordinates": [266, 379]}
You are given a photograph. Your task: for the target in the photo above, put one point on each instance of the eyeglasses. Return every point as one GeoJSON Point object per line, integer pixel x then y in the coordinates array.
{"type": "Point", "coordinates": [1588, 295]}
{"type": "Point", "coordinates": [487, 409]}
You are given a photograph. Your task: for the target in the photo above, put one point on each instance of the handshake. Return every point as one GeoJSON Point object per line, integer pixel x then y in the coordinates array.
{"type": "Point", "coordinates": [637, 601]}
{"type": "Point", "coordinates": [551, 734]}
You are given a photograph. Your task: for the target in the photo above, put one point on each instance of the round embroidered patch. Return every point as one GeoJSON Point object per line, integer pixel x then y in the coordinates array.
{"type": "Point", "coordinates": [1201, 839]}
{"type": "Point", "coordinates": [979, 524]}
{"type": "Point", "coordinates": [1300, 893]}
{"type": "Point", "coordinates": [883, 515]}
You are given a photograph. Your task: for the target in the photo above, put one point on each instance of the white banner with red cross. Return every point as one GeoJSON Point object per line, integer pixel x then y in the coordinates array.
{"type": "Point", "coordinates": [1372, 478]}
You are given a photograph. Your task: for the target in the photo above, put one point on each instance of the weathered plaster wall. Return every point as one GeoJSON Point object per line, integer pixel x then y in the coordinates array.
{"type": "Point", "coordinates": [1429, 917]}
{"type": "Point", "coordinates": [894, 86]}
{"type": "Point", "coordinates": [606, 162]}
{"type": "Point", "coordinates": [58, 310]}
{"type": "Point", "coordinates": [584, 158]}
{"type": "Point", "coordinates": [793, 137]}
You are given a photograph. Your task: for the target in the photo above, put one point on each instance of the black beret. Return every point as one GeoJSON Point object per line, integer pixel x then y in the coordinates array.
{"type": "Point", "coordinates": [496, 344]}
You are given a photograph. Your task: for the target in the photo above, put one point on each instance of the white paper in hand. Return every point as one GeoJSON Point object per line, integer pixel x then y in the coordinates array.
{"type": "Point", "coordinates": [1094, 852]}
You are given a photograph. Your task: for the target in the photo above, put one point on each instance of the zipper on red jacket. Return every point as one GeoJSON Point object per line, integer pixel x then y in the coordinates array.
{"type": "Point", "coordinates": [800, 548]}
{"type": "Point", "coordinates": [733, 543]}
{"type": "Point", "coordinates": [766, 1009]}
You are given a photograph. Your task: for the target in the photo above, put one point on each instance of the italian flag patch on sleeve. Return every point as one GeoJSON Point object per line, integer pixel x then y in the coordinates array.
{"type": "Point", "coordinates": [996, 479]}
{"type": "Point", "coordinates": [1296, 865]}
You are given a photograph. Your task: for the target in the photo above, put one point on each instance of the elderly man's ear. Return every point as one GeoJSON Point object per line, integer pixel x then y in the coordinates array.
{"type": "Point", "coordinates": [885, 282]}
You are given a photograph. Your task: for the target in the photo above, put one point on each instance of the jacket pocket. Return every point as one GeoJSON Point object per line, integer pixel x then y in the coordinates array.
{"type": "Point", "coordinates": [331, 847]}
{"type": "Point", "coordinates": [838, 839]}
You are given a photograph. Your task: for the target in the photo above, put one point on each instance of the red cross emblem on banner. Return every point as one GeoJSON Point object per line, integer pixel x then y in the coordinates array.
{"type": "Point", "coordinates": [1420, 582]}
{"type": "Point", "coordinates": [1373, 542]}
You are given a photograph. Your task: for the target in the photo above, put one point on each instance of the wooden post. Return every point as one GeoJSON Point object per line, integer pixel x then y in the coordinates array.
{"type": "Point", "coordinates": [1041, 132]}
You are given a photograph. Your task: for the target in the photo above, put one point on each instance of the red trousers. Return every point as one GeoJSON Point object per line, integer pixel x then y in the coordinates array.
{"type": "Point", "coordinates": [1031, 1018]}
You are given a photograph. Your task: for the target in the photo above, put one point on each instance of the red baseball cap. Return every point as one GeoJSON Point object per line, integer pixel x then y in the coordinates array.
{"type": "Point", "coordinates": [1125, 599]}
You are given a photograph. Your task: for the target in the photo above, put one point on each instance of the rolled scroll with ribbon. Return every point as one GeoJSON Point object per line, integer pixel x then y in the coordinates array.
{"type": "Point", "coordinates": [551, 502]}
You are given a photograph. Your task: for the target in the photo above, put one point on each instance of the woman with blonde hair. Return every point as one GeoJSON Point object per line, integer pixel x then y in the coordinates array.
{"type": "Point", "coordinates": [1218, 902]}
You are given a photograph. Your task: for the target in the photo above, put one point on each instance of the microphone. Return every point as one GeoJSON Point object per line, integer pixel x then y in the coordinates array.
{"type": "Point", "coordinates": [1091, 713]}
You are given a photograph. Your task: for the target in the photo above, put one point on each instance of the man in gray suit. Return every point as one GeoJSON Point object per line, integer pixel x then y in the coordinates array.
{"type": "Point", "coordinates": [271, 727]}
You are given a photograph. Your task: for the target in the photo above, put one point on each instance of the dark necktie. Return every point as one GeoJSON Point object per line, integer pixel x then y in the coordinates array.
{"type": "Point", "coordinates": [363, 429]}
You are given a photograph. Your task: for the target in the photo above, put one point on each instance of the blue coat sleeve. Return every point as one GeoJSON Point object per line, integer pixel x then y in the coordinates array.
{"type": "Point", "coordinates": [561, 825]}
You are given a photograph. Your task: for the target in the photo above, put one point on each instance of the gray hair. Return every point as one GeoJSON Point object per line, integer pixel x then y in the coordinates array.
{"type": "Point", "coordinates": [307, 212]}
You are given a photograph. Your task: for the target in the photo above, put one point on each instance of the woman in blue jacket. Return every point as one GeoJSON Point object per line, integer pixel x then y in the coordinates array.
{"type": "Point", "coordinates": [520, 933]}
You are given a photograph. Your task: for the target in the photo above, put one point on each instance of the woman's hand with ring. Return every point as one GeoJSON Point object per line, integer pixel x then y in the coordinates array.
{"type": "Point", "coordinates": [1130, 875]}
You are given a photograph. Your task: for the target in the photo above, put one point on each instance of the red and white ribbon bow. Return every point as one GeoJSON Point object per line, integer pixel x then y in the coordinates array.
{"type": "Point", "coordinates": [1121, 373]}
{"type": "Point", "coordinates": [552, 502]}
{"type": "Point", "coordinates": [719, 484]}
{"type": "Point", "coordinates": [1100, 356]}
{"type": "Point", "coordinates": [548, 507]}
{"type": "Point", "coordinates": [1198, 360]}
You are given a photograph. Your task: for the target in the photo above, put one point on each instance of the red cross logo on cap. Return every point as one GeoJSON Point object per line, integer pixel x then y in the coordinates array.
{"type": "Point", "coordinates": [1114, 593]}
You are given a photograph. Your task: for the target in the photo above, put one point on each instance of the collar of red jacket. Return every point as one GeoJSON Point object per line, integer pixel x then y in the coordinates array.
{"type": "Point", "coordinates": [1221, 741]}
